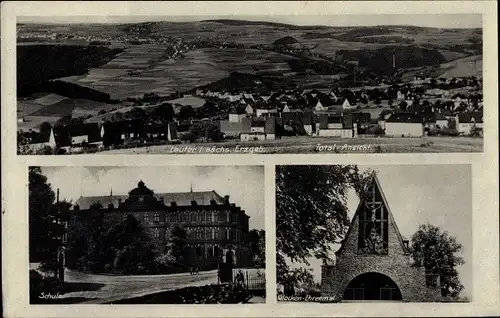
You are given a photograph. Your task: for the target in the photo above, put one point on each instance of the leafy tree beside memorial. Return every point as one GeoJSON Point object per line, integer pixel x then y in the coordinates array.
{"type": "Point", "coordinates": [439, 253]}
{"type": "Point", "coordinates": [311, 213]}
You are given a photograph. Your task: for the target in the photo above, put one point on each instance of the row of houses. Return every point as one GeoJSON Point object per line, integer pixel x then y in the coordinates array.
{"type": "Point", "coordinates": [76, 137]}
{"type": "Point", "coordinates": [348, 123]}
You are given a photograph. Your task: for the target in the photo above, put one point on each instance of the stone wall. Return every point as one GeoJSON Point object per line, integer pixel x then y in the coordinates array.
{"type": "Point", "coordinates": [396, 265]}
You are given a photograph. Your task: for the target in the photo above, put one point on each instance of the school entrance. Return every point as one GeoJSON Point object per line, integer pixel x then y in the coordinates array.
{"type": "Point", "coordinates": [372, 286]}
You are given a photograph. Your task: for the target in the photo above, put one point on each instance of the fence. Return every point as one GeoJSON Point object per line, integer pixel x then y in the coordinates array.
{"type": "Point", "coordinates": [252, 281]}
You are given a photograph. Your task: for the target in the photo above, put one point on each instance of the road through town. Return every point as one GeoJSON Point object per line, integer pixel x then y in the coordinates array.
{"type": "Point", "coordinates": [107, 288]}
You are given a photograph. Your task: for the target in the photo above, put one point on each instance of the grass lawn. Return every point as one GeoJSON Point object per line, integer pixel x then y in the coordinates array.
{"type": "Point", "coordinates": [306, 144]}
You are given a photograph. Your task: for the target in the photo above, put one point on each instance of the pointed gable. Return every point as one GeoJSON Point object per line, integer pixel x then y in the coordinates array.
{"type": "Point", "coordinates": [319, 106]}
{"type": "Point", "coordinates": [373, 229]}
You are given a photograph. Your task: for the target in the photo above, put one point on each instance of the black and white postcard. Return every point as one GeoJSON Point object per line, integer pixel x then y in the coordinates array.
{"type": "Point", "coordinates": [249, 158]}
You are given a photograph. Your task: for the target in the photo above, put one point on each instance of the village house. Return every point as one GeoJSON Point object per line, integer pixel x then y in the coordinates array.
{"type": "Point", "coordinates": [42, 140]}
{"type": "Point", "coordinates": [161, 131]}
{"type": "Point", "coordinates": [319, 107]}
{"type": "Point", "coordinates": [429, 121]}
{"type": "Point", "coordinates": [361, 119]}
{"type": "Point", "coordinates": [382, 119]}
{"type": "Point", "coordinates": [76, 137]}
{"type": "Point", "coordinates": [266, 111]}
{"type": "Point", "coordinates": [441, 121]}
{"type": "Point", "coordinates": [374, 261]}
{"type": "Point", "coordinates": [346, 105]}
{"type": "Point", "coordinates": [250, 110]}
{"type": "Point", "coordinates": [236, 114]}
{"type": "Point", "coordinates": [231, 130]}
{"type": "Point", "coordinates": [122, 132]}
{"type": "Point", "coordinates": [309, 122]}
{"type": "Point", "coordinates": [335, 125]}
{"type": "Point", "coordinates": [468, 122]}
{"type": "Point", "coordinates": [260, 129]}
{"type": "Point", "coordinates": [459, 100]}
{"type": "Point", "coordinates": [404, 125]}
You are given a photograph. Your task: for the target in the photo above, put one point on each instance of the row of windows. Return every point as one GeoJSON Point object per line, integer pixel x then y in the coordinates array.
{"type": "Point", "coordinates": [200, 217]}
{"type": "Point", "coordinates": [206, 233]}
{"type": "Point", "coordinates": [213, 233]}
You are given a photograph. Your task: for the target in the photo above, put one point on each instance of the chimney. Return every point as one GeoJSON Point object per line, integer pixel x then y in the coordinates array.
{"type": "Point", "coordinates": [119, 202]}
{"type": "Point", "coordinates": [226, 199]}
{"type": "Point", "coordinates": [57, 196]}
{"type": "Point", "coordinates": [213, 202]}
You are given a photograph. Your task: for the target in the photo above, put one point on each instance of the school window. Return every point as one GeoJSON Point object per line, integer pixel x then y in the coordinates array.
{"type": "Point", "coordinates": [124, 217]}
{"type": "Point", "coordinates": [228, 217]}
{"type": "Point", "coordinates": [156, 217]}
{"type": "Point", "coordinates": [212, 217]}
{"type": "Point", "coordinates": [145, 218]}
{"type": "Point", "coordinates": [213, 233]}
{"type": "Point", "coordinates": [373, 224]}
{"type": "Point", "coordinates": [156, 233]}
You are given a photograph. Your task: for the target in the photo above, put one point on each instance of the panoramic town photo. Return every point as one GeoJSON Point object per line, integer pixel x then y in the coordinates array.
{"type": "Point", "coordinates": [146, 235]}
{"type": "Point", "coordinates": [250, 84]}
{"type": "Point", "coordinates": [399, 233]}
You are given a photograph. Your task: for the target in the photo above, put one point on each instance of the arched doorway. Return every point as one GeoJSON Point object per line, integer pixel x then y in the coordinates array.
{"type": "Point", "coordinates": [372, 286]}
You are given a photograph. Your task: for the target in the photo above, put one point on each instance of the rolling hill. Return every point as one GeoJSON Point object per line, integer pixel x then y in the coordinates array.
{"type": "Point", "coordinates": [308, 55]}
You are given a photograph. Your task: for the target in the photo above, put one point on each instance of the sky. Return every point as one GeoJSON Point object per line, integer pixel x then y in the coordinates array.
{"type": "Point", "coordinates": [243, 184]}
{"type": "Point", "coordinates": [425, 20]}
{"type": "Point", "coordinates": [418, 194]}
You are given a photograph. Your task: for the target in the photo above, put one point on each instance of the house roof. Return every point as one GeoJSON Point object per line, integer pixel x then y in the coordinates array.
{"type": "Point", "coordinates": [440, 116]}
{"type": "Point", "coordinates": [237, 110]}
{"type": "Point", "coordinates": [405, 118]}
{"type": "Point", "coordinates": [122, 126]}
{"type": "Point", "coordinates": [180, 198]}
{"type": "Point", "coordinates": [64, 134]}
{"type": "Point", "coordinates": [258, 123]}
{"type": "Point", "coordinates": [468, 117]}
{"type": "Point", "coordinates": [229, 127]}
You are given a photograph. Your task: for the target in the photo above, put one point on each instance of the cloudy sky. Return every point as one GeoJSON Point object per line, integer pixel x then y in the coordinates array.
{"type": "Point", "coordinates": [426, 20]}
{"type": "Point", "coordinates": [243, 184]}
{"type": "Point", "coordinates": [417, 194]}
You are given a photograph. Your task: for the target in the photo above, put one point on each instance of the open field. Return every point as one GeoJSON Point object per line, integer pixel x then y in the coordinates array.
{"type": "Point", "coordinates": [152, 73]}
{"type": "Point", "coordinates": [198, 68]}
{"type": "Point", "coordinates": [467, 66]}
{"type": "Point", "coordinates": [34, 122]}
{"type": "Point", "coordinates": [307, 144]}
